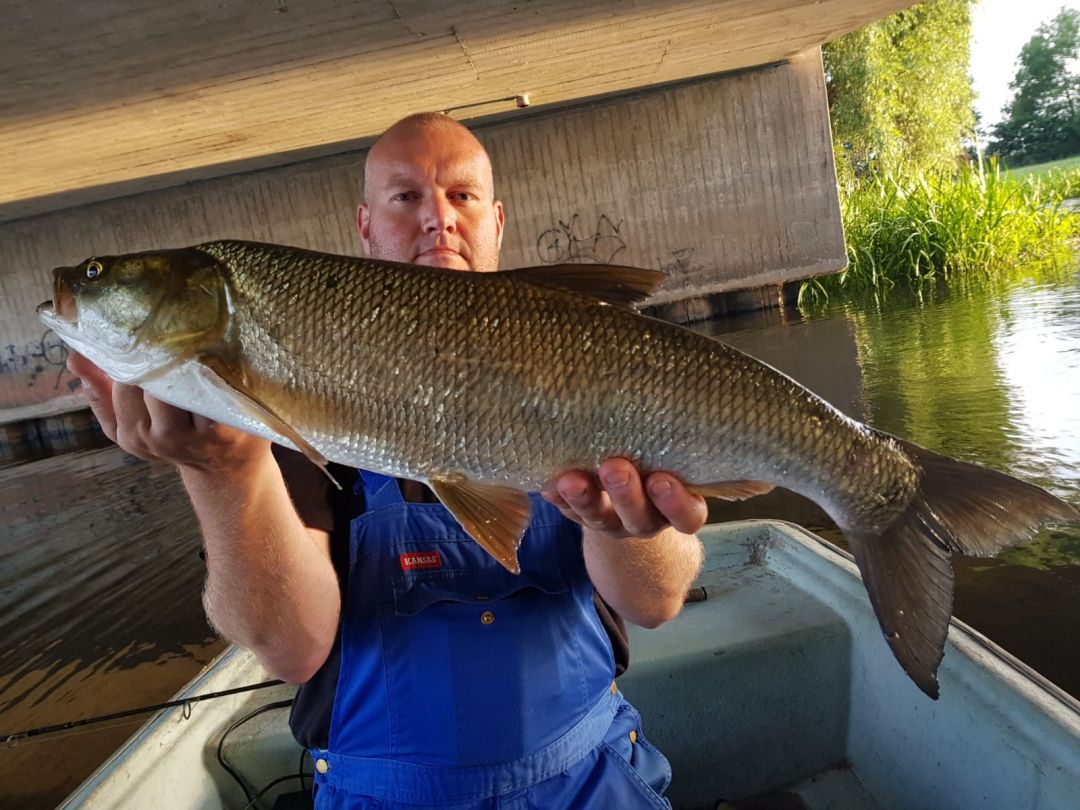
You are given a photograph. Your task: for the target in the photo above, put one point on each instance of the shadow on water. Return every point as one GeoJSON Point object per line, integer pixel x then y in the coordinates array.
{"type": "Point", "coordinates": [987, 376]}
{"type": "Point", "coordinates": [100, 609]}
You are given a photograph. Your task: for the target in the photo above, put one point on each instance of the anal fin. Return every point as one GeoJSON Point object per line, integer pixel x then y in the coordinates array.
{"type": "Point", "coordinates": [494, 516]}
{"type": "Point", "coordinates": [229, 378]}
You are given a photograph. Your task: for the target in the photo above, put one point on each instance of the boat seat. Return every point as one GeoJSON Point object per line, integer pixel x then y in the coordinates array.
{"type": "Point", "coordinates": [746, 692]}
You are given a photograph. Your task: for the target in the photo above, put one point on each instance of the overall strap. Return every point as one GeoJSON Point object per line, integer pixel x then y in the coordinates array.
{"type": "Point", "coordinates": [380, 490]}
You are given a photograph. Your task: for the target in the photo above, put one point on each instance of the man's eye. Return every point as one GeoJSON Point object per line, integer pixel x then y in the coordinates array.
{"type": "Point", "coordinates": [463, 196]}
{"type": "Point", "coordinates": [404, 196]}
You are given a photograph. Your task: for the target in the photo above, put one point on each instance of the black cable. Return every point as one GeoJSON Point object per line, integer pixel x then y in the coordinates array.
{"type": "Point", "coordinates": [191, 701]}
{"type": "Point", "coordinates": [300, 770]}
{"type": "Point", "coordinates": [275, 783]}
{"type": "Point", "coordinates": [281, 704]}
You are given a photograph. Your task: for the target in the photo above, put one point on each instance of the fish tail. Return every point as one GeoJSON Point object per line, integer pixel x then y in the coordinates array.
{"type": "Point", "coordinates": [958, 507]}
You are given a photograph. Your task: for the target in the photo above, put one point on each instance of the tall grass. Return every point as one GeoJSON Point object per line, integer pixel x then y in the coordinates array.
{"type": "Point", "coordinates": [975, 224]}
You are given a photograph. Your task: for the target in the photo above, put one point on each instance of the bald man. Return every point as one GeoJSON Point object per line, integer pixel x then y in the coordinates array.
{"type": "Point", "coordinates": [429, 676]}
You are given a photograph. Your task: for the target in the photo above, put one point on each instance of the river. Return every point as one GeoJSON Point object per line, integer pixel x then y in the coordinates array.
{"type": "Point", "coordinates": [986, 376]}
{"type": "Point", "coordinates": [100, 575]}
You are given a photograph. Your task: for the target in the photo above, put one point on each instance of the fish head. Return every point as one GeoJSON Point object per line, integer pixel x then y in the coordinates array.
{"type": "Point", "coordinates": [134, 312]}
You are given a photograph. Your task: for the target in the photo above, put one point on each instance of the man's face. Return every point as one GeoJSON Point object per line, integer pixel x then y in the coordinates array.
{"type": "Point", "coordinates": [430, 200]}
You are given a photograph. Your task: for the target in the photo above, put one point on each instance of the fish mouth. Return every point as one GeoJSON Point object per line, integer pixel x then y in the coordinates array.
{"type": "Point", "coordinates": [62, 306]}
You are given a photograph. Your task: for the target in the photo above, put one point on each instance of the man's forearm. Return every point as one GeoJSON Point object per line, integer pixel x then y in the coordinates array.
{"type": "Point", "coordinates": [644, 579]}
{"type": "Point", "coordinates": [270, 583]}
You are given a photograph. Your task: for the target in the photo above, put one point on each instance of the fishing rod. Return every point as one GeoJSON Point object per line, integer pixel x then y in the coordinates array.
{"type": "Point", "coordinates": [186, 703]}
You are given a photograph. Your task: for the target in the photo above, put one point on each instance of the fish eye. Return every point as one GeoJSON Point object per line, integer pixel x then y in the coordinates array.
{"type": "Point", "coordinates": [94, 268]}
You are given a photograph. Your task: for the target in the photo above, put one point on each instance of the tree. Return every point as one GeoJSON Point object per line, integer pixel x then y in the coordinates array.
{"type": "Point", "coordinates": [1042, 120]}
{"type": "Point", "coordinates": [900, 90]}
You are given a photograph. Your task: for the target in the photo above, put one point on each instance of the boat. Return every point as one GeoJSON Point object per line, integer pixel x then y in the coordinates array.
{"type": "Point", "coordinates": [774, 689]}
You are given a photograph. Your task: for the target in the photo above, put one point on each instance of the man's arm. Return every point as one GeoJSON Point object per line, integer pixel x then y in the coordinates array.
{"type": "Point", "coordinates": [638, 536]}
{"type": "Point", "coordinates": [270, 583]}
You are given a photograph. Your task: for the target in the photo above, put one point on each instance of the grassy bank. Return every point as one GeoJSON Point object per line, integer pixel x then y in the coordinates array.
{"type": "Point", "coordinates": [979, 224]}
{"type": "Point", "coordinates": [1040, 169]}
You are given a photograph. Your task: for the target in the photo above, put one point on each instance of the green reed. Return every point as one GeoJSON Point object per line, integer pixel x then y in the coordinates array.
{"type": "Point", "coordinates": [977, 224]}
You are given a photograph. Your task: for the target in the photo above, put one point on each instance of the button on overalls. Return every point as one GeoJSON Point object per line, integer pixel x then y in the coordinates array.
{"type": "Point", "coordinates": [465, 686]}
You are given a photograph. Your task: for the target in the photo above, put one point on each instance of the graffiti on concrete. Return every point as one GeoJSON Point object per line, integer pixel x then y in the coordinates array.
{"type": "Point", "coordinates": [41, 363]}
{"type": "Point", "coordinates": [571, 241]}
{"type": "Point", "coordinates": [680, 268]}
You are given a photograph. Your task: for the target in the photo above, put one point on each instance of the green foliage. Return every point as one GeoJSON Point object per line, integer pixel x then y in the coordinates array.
{"type": "Point", "coordinates": [914, 209]}
{"type": "Point", "coordinates": [974, 223]}
{"type": "Point", "coordinates": [899, 90]}
{"type": "Point", "coordinates": [1042, 121]}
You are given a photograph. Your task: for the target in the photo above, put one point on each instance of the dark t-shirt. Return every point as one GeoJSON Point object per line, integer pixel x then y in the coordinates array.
{"type": "Point", "coordinates": [321, 506]}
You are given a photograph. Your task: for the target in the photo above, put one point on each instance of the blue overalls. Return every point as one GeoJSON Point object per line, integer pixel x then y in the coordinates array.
{"type": "Point", "coordinates": [465, 686]}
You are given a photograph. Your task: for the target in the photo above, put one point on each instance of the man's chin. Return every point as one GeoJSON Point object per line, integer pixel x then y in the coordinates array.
{"type": "Point", "coordinates": [452, 261]}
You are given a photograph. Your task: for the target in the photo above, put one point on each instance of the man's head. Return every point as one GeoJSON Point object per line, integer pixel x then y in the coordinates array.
{"type": "Point", "coordinates": [429, 197]}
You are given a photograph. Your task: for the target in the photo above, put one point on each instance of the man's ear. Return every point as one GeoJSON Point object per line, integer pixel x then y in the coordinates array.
{"type": "Point", "coordinates": [500, 220]}
{"type": "Point", "coordinates": [363, 226]}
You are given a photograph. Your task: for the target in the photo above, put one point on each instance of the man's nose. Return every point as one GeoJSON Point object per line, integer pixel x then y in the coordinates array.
{"type": "Point", "coordinates": [439, 215]}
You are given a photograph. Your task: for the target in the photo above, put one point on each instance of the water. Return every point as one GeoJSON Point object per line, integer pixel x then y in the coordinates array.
{"type": "Point", "coordinates": [100, 577]}
{"type": "Point", "coordinates": [100, 610]}
{"type": "Point", "coordinates": [987, 376]}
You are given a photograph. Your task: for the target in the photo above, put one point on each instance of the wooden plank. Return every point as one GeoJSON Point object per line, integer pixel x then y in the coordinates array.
{"type": "Point", "coordinates": [110, 98]}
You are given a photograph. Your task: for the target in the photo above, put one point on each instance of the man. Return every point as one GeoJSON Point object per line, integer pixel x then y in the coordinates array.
{"type": "Point", "coordinates": [430, 676]}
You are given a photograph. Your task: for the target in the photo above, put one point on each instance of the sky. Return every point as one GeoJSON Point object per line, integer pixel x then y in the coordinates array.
{"type": "Point", "coordinates": [999, 29]}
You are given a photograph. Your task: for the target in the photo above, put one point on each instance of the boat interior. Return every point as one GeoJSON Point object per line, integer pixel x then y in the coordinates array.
{"type": "Point", "coordinates": [776, 691]}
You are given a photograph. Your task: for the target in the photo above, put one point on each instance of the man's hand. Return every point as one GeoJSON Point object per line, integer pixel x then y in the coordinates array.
{"type": "Point", "coordinates": [270, 584]}
{"type": "Point", "coordinates": [638, 536]}
{"type": "Point", "coordinates": [623, 504]}
{"type": "Point", "coordinates": [152, 430]}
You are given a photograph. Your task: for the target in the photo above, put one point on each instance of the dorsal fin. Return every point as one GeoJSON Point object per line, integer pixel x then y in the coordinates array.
{"type": "Point", "coordinates": [611, 283]}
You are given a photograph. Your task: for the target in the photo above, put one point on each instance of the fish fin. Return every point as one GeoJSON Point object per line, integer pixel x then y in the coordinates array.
{"type": "Point", "coordinates": [613, 284]}
{"type": "Point", "coordinates": [230, 378]}
{"type": "Point", "coordinates": [160, 371]}
{"type": "Point", "coordinates": [958, 507]}
{"type": "Point", "coordinates": [730, 490]}
{"type": "Point", "coordinates": [978, 511]}
{"type": "Point", "coordinates": [910, 582]}
{"type": "Point", "coordinates": [495, 517]}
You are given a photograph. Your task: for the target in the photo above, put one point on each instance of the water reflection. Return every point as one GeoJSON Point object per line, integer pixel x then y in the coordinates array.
{"type": "Point", "coordinates": [100, 608]}
{"type": "Point", "coordinates": [987, 376]}
{"type": "Point", "coordinates": [1038, 347]}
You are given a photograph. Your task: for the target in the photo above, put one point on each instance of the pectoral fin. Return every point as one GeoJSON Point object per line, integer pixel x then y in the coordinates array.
{"type": "Point", "coordinates": [495, 517]}
{"type": "Point", "coordinates": [730, 490]}
{"type": "Point", "coordinates": [160, 371]}
{"type": "Point", "coordinates": [230, 379]}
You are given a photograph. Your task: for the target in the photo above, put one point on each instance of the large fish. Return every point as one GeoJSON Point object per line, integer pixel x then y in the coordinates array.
{"type": "Point", "coordinates": [486, 385]}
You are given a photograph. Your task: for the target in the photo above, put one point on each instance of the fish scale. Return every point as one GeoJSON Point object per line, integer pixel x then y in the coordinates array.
{"type": "Point", "coordinates": [487, 385]}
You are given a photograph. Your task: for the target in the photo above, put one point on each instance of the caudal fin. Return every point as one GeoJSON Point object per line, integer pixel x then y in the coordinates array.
{"type": "Point", "coordinates": [959, 507]}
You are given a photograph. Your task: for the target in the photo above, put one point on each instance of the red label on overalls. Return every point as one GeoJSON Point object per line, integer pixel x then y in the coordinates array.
{"type": "Point", "coordinates": [420, 559]}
